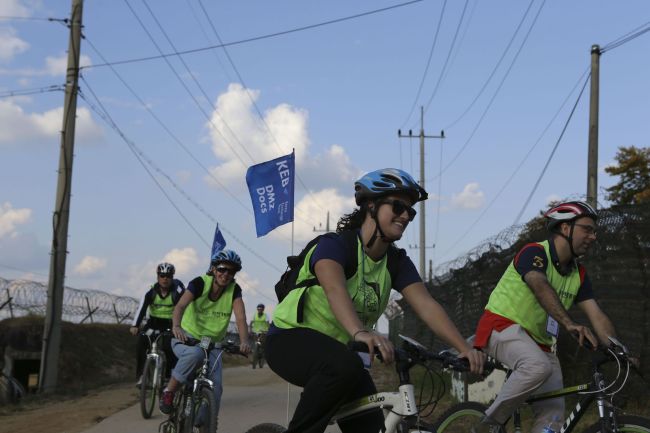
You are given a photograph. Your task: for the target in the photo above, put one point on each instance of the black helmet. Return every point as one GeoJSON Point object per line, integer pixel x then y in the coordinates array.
{"type": "Point", "coordinates": [260, 305]}
{"type": "Point", "coordinates": [387, 181]}
{"type": "Point", "coordinates": [165, 268]}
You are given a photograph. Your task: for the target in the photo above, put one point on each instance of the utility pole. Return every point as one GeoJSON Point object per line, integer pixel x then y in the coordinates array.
{"type": "Point", "coordinates": [52, 329]}
{"type": "Point", "coordinates": [422, 206]}
{"type": "Point", "coordinates": [327, 225]}
{"type": "Point", "coordinates": [592, 161]}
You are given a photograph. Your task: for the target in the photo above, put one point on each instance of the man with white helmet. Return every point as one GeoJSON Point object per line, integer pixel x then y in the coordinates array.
{"type": "Point", "coordinates": [158, 302]}
{"type": "Point", "coordinates": [521, 321]}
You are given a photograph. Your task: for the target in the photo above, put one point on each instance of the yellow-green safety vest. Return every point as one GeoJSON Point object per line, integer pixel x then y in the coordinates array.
{"type": "Point", "coordinates": [206, 318]}
{"type": "Point", "coordinates": [260, 323]}
{"type": "Point", "coordinates": [160, 307]}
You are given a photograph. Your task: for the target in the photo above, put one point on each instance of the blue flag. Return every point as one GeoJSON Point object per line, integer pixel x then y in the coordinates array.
{"type": "Point", "coordinates": [219, 243]}
{"type": "Point", "coordinates": [271, 186]}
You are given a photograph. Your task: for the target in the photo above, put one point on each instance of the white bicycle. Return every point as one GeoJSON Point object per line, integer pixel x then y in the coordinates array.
{"type": "Point", "coordinates": [400, 408]}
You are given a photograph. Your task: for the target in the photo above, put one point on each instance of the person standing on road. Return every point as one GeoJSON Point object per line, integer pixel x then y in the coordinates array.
{"type": "Point", "coordinates": [158, 302]}
{"type": "Point", "coordinates": [204, 311]}
{"type": "Point", "coordinates": [306, 342]}
{"type": "Point", "coordinates": [523, 316]}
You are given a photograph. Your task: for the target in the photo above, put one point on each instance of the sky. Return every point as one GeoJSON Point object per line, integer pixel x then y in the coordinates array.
{"type": "Point", "coordinates": [163, 143]}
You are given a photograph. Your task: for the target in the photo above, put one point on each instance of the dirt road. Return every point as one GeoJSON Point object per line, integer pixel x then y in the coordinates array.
{"type": "Point", "coordinates": [250, 397]}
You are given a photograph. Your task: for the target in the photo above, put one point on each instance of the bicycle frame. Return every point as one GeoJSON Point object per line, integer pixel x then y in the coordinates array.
{"type": "Point", "coordinates": [157, 355]}
{"type": "Point", "coordinates": [396, 406]}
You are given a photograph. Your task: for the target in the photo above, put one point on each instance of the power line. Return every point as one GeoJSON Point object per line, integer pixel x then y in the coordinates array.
{"type": "Point", "coordinates": [489, 105]}
{"type": "Point", "coordinates": [141, 157]}
{"type": "Point", "coordinates": [33, 91]}
{"type": "Point", "coordinates": [644, 28]}
{"type": "Point", "coordinates": [541, 175]}
{"type": "Point", "coordinates": [13, 18]}
{"type": "Point", "coordinates": [258, 38]}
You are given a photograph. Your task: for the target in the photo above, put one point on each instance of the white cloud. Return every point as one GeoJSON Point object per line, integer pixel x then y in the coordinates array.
{"type": "Point", "coordinates": [140, 277]}
{"type": "Point", "coordinates": [90, 265]}
{"type": "Point", "coordinates": [17, 126]}
{"type": "Point", "coordinates": [14, 8]}
{"type": "Point", "coordinates": [310, 211]}
{"type": "Point", "coordinates": [57, 66]}
{"type": "Point", "coordinates": [10, 44]}
{"type": "Point", "coordinates": [470, 198]}
{"type": "Point", "coordinates": [10, 218]}
{"type": "Point", "coordinates": [185, 260]}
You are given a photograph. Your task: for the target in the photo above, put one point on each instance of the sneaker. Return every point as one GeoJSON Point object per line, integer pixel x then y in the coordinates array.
{"type": "Point", "coordinates": [166, 401]}
{"type": "Point", "coordinates": [487, 425]}
{"type": "Point", "coordinates": [138, 384]}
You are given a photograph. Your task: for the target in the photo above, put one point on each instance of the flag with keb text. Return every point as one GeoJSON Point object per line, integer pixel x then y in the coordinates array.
{"type": "Point", "coordinates": [271, 186]}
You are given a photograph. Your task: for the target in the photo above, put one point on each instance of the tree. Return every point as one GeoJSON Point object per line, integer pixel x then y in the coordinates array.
{"type": "Point", "coordinates": [634, 171]}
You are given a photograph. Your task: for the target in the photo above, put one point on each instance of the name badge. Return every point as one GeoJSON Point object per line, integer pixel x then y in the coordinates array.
{"type": "Point", "coordinates": [552, 327]}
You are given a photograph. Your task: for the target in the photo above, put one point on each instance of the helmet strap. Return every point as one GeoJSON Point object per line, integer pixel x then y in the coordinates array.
{"type": "Point", "coordinates": [569, 239]}
{"type": "Point", "coordinates": [373, 214]}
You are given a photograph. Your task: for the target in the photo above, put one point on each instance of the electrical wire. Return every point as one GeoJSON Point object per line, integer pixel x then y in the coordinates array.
{"type": "Point", "coordinates": [642, 29]}
{"type": "Point", "coordinates": [33, 91]}
{"type": "Point", "coordinates": [258, 38]}
{"type": "Point", "coordinates": [14, 18]}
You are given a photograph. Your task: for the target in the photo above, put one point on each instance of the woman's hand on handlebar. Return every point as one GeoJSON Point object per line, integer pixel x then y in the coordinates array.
{"type": "Point", "coordinates": [244, 348]}
{"type": "Point", "coordinates": [179, 334]}
{"type": "Point", "coordinates": [372, 340]}
{"type": "Point", "coordinates": [476, 360]}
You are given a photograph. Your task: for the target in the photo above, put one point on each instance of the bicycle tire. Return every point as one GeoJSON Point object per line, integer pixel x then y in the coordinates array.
{"type": "Point", "coordinates": [459, 418]}
{"type": "Point", "coordinates": [147, 389]}
{"type": "Point", "coordinates": [627, 424]}
{"type": "Point", "coordinates": [207, 416]}
{"type": "Point", "coordinates": [267, 428]}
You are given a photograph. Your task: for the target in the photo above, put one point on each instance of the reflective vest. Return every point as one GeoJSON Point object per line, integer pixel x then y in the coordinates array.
{"type": "Point", "coordinates": [369, 289]}
{"type": "Point", "coordinates": [207, 318]}
{"type": "Point", "coordinates": [160, 307]}
{"type": "Point", "coordinates": [513, 299]}
{"type": "Point", "coordinates": [260, 323]}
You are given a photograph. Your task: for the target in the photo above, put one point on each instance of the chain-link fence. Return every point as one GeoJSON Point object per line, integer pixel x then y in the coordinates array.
{"type": "Point", "coordinates": [618, 266]}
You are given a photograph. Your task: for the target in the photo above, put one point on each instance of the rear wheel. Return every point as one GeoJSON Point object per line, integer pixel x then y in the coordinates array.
{"type": "Point", "coordinates": [148, 390]}
{"type": "Point", "coordinates": [267, 428]}
{"type": "Point", "coordinates": [631, 424]}
{"type": "Point", "coordinates": [460, 418]}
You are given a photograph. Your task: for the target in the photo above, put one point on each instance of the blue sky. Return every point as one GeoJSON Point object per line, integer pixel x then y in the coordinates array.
{"type": "Point", "coordinates": [337, 93]}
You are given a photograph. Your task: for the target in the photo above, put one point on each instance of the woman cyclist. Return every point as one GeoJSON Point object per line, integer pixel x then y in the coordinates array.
{"type": "Point", "coordinates": [308, 347]}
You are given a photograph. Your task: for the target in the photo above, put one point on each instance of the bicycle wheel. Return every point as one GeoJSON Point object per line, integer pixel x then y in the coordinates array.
{"type": "Point", "coordinates": [626, 423]}
{"type": "Point", "coordinates": [267, 428]}
{"type": "Point", "coordinates": [147, 389]}
{"type": "Point", "coordinates": [459, 418]}
{"type": "Point", "coordinates": [203, 418]}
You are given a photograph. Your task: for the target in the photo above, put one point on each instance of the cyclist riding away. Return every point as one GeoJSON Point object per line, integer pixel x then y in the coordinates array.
{"type": "Point", "coordinates": [159, 302]}
{"type": "Point", "coordinates": [306, 343]}
{"type": "Point", "coordinates": [204, 311]}
{"type": "Point", "coordinates": [525, 311]}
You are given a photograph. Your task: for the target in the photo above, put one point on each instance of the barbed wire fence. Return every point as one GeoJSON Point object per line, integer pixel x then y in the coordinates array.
{"type": "Point", "coordinates": [24, 297]}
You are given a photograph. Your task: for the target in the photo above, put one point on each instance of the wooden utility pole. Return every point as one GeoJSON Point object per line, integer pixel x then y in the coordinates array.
{"type": "Point", "coordinates": [422, 203]}
{"type": "Point", "coordinates": [52, 329]}
{"type": "Point", "coordinates": [592, 161]}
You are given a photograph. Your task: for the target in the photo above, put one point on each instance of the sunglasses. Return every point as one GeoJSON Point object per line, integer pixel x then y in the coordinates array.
{"type": "Point", "coordinates": [165, 275]}
{"type": "Point", "coordinates": [399, 207]}
{"type": "Point", "coordinates": [223, 270]}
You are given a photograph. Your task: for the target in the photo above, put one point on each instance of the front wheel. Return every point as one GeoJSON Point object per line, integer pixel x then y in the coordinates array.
{"type": "Point", "coordinates": [267, 428]}
{"type": "Point", "coordinates": [625, 423]}
{"type": "Point", "coordinates": [204, 414]}
{"type": "Point", "coordinates": [148, 390]}
{"type": "Point", "coordinates": [460, 418]}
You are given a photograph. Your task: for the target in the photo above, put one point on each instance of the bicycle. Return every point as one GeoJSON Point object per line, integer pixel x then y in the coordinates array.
{"type": "Point", "coordinates": [155, 367]}
{"type": "Point", "coordinates": [195, 407]}
{"type": "Point", "coordinates": [258, 350]}
{"type": "Point", "coordinates": [462, 416]}
{"type": "Point", "coordinates": [11, 391]}
{"type": "Point", "coordinates": [401, 413]}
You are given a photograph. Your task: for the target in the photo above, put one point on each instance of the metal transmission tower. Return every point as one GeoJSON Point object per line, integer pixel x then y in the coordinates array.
{"type": "Point", "coordinates": [52, 330]}
{"type": "Point", "coordinates": [422, 203]}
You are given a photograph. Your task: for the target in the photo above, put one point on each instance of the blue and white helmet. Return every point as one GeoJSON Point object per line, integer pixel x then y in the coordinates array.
{"type": "Point", "coordinates": [387, 181]}
{"type": "Point", "coordinates": [227, 256]}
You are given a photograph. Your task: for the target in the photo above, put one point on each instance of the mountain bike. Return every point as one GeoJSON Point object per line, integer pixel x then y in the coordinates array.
{"type": "Point", "coordinates": [195, 407]}
{"type": "Point", "coordinates": [153, 373]}
{"type": "Point", "coordinates": [462, 416]}
{"type": "Point", "coordinates": [401, 412]}
{"type": "Point", "coordinates": [258, 350]}
{"type": "Point", "coordinates": [11, 391]}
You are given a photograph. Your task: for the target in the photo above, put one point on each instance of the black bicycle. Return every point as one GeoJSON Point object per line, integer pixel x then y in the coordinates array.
{"type": "Point", "coordinates": [462, 416]}
{"type": "Point", "coordinates": [195, 407]}
{"type": "Point", "coordinates": [153, 373]}
{"type": "Point", "coordinates": [258, 350]}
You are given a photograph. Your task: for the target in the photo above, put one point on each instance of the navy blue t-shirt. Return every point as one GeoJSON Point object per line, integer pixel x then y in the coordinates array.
{"type": "Point", "coordinates": [532, 257]}
{"type": "Point", "coordinates": [334, 248]}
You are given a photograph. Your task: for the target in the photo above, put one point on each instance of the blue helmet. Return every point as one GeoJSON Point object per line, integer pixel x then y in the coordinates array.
{"type": "Point", "coordinates": [228, 256]}
{"type": "Point", "coordinates": [387, 181]}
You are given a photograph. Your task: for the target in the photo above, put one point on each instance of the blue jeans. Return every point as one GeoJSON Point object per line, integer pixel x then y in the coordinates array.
{"type": "Point", "coordinates": [190, 358]}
